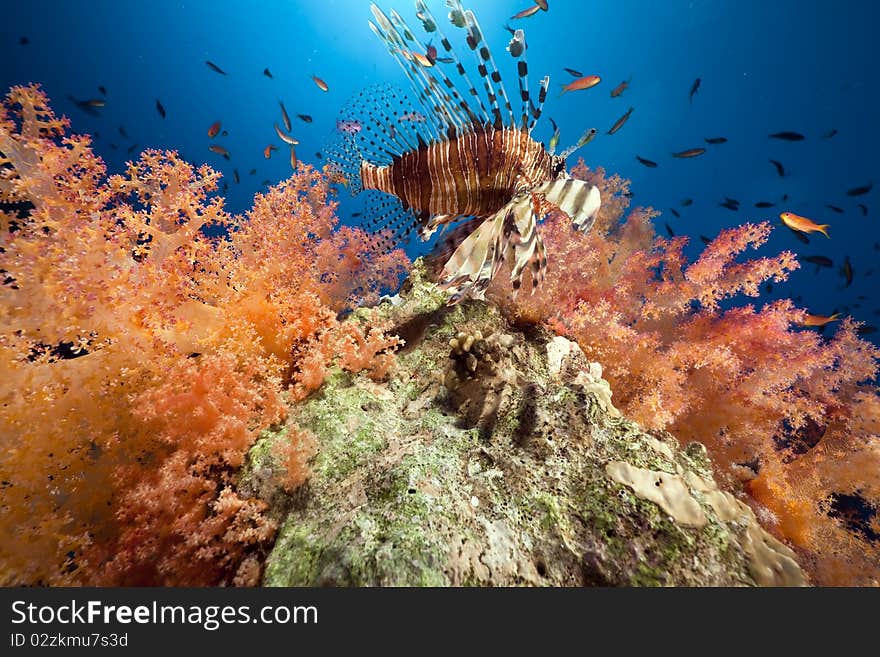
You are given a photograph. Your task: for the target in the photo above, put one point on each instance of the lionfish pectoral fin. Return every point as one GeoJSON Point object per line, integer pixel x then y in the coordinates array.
{"type": "Point", "coordinates": [474, 262]}
{"type": "Point", "coordinates": [578, 199]}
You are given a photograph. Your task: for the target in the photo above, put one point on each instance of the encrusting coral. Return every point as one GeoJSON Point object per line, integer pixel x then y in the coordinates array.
{"type": "Point", "coordinates": [140, 359]}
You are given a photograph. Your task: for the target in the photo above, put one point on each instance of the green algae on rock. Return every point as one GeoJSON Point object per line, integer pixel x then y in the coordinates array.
{"type": "Point", "coordinates": [503, 463]}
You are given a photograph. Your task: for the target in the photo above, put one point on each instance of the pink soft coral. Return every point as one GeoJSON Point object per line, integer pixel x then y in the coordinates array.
{"type": "Point", "coordinates": [118, 466]}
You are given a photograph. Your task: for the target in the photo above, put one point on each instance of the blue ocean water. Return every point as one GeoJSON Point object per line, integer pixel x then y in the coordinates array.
{"type": "Point", "coordinates": [765, 66]}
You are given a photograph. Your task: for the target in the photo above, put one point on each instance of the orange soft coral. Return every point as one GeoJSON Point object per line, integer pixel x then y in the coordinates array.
{"type": "Point", "coordinates": [744, 381]}
{"type": "Point", "coordinates": [118, 465]}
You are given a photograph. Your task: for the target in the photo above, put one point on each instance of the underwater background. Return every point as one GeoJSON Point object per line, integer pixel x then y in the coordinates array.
{"type": "Point", "coordinates": [764, 67]}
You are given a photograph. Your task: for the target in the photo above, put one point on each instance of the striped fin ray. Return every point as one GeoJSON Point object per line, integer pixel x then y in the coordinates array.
{"type": "Point", "coordinates": [388, 34]}
{"type": "Point", "coordinates": [476, 258]}
{"type": "Point", "coordinates": [525, 242]}
{"type": "Point", "coordinates": [579, 200]}
{"type": "Point", "coordinates": [482, 56]}
{"type": "Point", "coordinates": [470, 268]}
{"type": "Point", "coordinates": [476, 114]}
{"type": "Point", "coordinates": [453, 107]}
{"type": "Point", "coordinates": [542, 96]}
{"type": "Point", "coordinates": [475, 35]}
{"type": "Point", "coordinates": [518, 45]}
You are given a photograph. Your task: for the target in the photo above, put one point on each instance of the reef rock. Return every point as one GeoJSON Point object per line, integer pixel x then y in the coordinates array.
{"type": "Point", "coordinates": [493, 456]}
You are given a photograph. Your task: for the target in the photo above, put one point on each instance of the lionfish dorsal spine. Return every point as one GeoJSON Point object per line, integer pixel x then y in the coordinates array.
{"type": "Point", "coordinates": [518, 45]}
{"type": "Point", "coordinates": [396, 48]}
{"type": "Point", "coordinates": [432, 95]}
{"type": "Point", "coordinates": [542, 96]}
{"type": "Point", "coordinates": [477, 114]}
{"type": "Point", "coordinates": [485, 62]}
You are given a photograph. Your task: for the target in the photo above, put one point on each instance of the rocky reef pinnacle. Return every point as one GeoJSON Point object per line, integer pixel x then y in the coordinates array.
{"type": "Point", "coordinates": [493, 456]}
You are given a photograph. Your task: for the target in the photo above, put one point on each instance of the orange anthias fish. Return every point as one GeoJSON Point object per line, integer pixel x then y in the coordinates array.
{"type": "Point", "coordinates": [321, 84]}
{"type": "Point", "coordinates": [797, 222]}
{"type": "Point", "coordinates": [819, 320]}
{"type": "Point", "coordinates": [585, 82]}
{"type": "Point", "coordinates": [214, 130]}
{"type": "Point", "coordinates": [267, 152]}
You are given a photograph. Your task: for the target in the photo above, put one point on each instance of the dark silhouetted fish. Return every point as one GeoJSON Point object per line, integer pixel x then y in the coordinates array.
{"type": "Point", "coordinates": [573, 72]}
{"type": "Point", "coordinates": [647, 163]}
{"type": "Point", "coordinates": [304, 117]}
{"type": "Point", "coordinates": [730, 205]}
{"type": "Point", "coordinates": [619, 89]}
{"type": "Point", "coordinates": [864, 209]}
{"type": "Point", "coordinates": [669, 230]}
{"type": "Point", "coordinates": [847, 271]}
{"type": "Point", "coordinates": [716, 140]}
{"type": "Point", "coordinates": [800, 236]}
{"type": "Point", "coordinates": [764, 204]}
{"type": "Point", "coordinates": [705, 240]}
{"type": "Point", "coordinates": [131, 149]}
{"type": "Point", "coordinates": [779, 168]}
{"type": "Point", "coordinates": [215, 68]}
{"type": "Point", "coordinates": [23, 41]}
{"type": "Point", "coordinates": [675, 213]}
{"type": "Point", "coordinates": [85, 105]}
{"type": "Point", "coordinates": [122, 132]}
{"type": "Point", "coordinates": [285, 117]}
{"type": "Point", "coordinates": [160, 109]}
{"type": "Point", "coordinates": [830, 133]}
{"type": "Point", "coordinates": [102, 89]}
{"type": "Point", "coordinates": [787, 135]}
{"type": "Point", "coordinates": [687, 202]}
{"type": "Point", "coordinates": [235, 176]}
{"type": "Point", "coordinates": [694, 87]}
{"type": "Point", "coordinates": [819, 261]}
{"type": "Point", "coordinates": [867, 329]}
{"type": "Point", "coordinates": [619, 123]}
{"type": "Point", "coordinates": [860, 191]}
{"type": "Point", "coordinates": [834, 208]}
{"type": "Point", "coordinates": [690, 152]}
{"type": "Point", "coordinates": [252, 172]}
{"type": "Point", "coordinates": [267, 73]}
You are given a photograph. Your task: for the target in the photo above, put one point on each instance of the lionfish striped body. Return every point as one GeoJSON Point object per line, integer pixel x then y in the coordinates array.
{"type": "Point", "coordinates": [476, 173]}
{"type": "Point", "coordinates": [459, 160]}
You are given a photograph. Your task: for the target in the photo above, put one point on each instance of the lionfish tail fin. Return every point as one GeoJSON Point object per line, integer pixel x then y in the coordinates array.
{"type": "Point", "coordinates": [578, 199]}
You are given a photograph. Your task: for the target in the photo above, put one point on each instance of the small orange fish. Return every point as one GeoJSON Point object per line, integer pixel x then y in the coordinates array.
{"type": "Point", "coordinates": [585, 82]}
{"type": "Point", "coordinates": [419, 58]}
{"type": "Point", "coordinates": [819, 320]}
{"type": "Point", "coordinates": [619, 89]}
{"type": "Point", "coordinates": [293, 157]}
{"type": "Point", "coordinates": [214, 130]}
{"type": "Point", "coordinates": [797, 222]}
{"type": "Point", "coordinates": [321, 84]}
{"type": "Point", "coordinates": [217, 148]}
{"type": "Point", "coordinates": [267, 152]}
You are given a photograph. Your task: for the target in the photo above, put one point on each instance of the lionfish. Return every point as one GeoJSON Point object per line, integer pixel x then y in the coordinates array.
{"type": "Point", "coordinates": [463, 158]}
